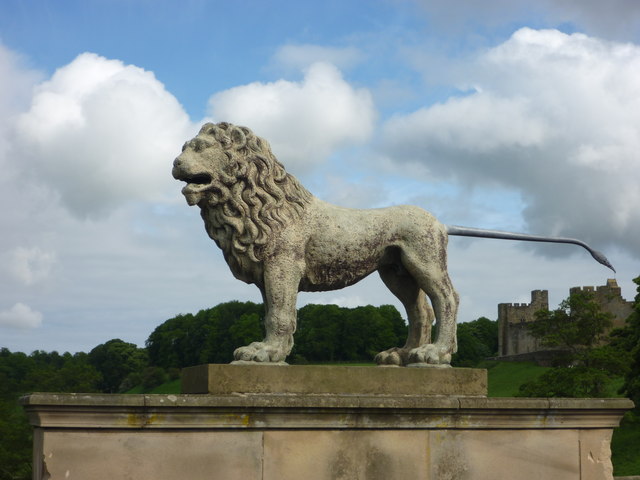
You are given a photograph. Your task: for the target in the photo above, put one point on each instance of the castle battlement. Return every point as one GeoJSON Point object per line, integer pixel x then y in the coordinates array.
{"type": "Point", "coordinates": [513, 318]}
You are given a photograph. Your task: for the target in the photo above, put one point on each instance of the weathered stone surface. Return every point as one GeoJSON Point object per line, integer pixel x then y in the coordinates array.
{"type": "Point", "coordinates": [488, 455]}
{"type": "Point", "coordinates": [340, 455]}
{"type": "Point", "coordinates": [277, 235]}
{"type": "Point", "coordinates": [99, 454]}
{"type": "Point", "coordinates": [324, 437]}
{"type": "Point", "coordinates": [312, 379]}
{"type": "Point", "coordinates": [595, 454]}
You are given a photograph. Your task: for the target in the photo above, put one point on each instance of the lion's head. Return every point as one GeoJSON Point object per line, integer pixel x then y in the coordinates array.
{"type": "Point", "coordinates": [244, 192]}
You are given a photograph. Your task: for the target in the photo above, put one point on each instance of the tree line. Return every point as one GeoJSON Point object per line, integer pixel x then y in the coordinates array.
{"type": "Point", "coordinates": [326, 333]}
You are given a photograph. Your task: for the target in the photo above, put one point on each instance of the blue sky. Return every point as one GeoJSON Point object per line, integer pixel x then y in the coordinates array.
{"type": "Point", "coordinates": [511, 115]}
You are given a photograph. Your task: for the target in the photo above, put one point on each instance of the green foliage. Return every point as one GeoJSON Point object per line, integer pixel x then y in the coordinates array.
{"type": "Point", "coordinates": [20, 374]}
{"type": "Point", "coordinates": [477, 340]}
{"type": "Point", "coordinates": [115, 360]}
{"type": "Point", "coordinates": [328, 333]}
{"type": "Point", "coordinates": [578, 324]}
{"type": "Point", "coordinates": [567, 382]}
{"type": "Point", "coordinates": [15, 442]}
{"type": "Point", "coordinates": [153, 377]}
{"type": "Point", "coordinates": [505, 378]}
{"type": "Point", "coordinates": [628, 340]}
{"type": "Point", "coordinates": [585, 364]}
{"type": "Point", "coordinates": [210, 336]}
{"type": "Point", "coordinates": [624, 446]}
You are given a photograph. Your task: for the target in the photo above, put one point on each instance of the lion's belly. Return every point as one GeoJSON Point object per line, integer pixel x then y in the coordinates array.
{"type": "Point", "coordinates": [334, 276]}
{"type": "Point", "coordinates": [335, 265]}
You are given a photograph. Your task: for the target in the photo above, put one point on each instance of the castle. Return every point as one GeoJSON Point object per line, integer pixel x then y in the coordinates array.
{"type": "Point", "coordinates": [516, 343]}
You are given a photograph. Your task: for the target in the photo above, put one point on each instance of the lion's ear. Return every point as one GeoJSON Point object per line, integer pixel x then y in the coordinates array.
{"type": "Point", "coordinates": [238, 137]}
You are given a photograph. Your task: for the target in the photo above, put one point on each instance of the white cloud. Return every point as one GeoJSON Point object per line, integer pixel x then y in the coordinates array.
{"type": "Point", "coordinates": [31, 265]}
{"type": "Point", "coordinates": [304, 121]}
{"type": "Point", "coordinates": [16, 82]}
{"type": "Point", "coordinates": [100, 134]}
{"type": "Point", "coordinates": [553, 116]}
{"type": "Point", "coordinates": [300, 57]}
{"type": "Point", "coordinates": [20, 316]}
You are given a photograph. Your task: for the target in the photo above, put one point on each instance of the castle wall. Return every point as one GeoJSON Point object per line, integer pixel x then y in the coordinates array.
{"type": "Point", "coordinates": [512, 321]}
{"type": "Point", "coordinates": [515, 338]}
{"type": "Point", "coordinates": [609, 297]}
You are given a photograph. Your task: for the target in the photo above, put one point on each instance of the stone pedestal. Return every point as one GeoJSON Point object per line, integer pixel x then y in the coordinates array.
{"type": "Point", "coordinates": [264, 435]}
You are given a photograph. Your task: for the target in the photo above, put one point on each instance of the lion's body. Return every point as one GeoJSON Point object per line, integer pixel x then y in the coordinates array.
{"type": "Point", "coordinates": [276, 235]}
{"type": "Point", "coordinates": [342, 246]}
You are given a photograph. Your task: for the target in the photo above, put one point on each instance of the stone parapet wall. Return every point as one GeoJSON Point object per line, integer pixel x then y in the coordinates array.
{"type": "Point", "coordinates": [284, 436]}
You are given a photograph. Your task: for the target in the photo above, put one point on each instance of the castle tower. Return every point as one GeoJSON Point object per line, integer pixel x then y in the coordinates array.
{"type": "Point", "coordinates": [514, 336]}
{"type": "Point", "coordinates": [609, 297]}
{"type": "Point", "coordinates": [512, 324]}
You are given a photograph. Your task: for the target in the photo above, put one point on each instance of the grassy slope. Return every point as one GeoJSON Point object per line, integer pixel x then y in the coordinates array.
{"type": "Point", "coordinates": [505, 378]}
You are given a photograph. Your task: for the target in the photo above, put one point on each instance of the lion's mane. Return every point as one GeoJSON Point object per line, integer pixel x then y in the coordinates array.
{"type": "Point", "coordinates": [250, 201]}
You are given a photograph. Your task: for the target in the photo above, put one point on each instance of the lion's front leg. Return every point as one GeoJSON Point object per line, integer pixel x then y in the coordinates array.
{"type": "Point", "coordinates": [279, 295]}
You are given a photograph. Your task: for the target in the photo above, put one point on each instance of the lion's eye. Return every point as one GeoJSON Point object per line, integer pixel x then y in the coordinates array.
{"type": "Point", "coordinates": [200, 145]}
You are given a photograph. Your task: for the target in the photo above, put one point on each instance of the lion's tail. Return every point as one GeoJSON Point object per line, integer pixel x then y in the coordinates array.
{"type": "Point", "coordinates": [480, 232]}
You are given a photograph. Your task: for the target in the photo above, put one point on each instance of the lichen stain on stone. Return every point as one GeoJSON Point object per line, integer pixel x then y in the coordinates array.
{"type": "Point", "coordinates": [450, 463]}
{"type": "Point", "coordinates": [379, 465]}
{"type": "Point", "coordinates": [231, 419]}
{"type": "Point", "coordinates": [141, 420]}
{"type": "Point", "coordinates": [342, 467]}
{"type": "Point", "coordinates": [135, 420]}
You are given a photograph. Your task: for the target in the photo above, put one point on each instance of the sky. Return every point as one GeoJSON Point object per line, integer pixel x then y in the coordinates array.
{"type": "Point", "coordinates": [504, 114]}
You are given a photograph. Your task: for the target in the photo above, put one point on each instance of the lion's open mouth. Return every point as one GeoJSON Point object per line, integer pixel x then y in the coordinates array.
{"type": "Point", "coordinates": [195, 182]}
{"type": "Point", "coordinates": [198, 179]}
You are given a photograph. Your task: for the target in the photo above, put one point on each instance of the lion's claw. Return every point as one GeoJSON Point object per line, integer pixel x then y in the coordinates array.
{"type": "Point", "coordinates": [430, 354]}
{"type": "Point", "coordinates": [393, 356]}
{"type": "Point", "coordinates": [259, 352]}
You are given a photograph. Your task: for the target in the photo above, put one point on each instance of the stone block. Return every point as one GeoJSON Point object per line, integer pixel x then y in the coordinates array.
{"type": "Point", "coordinates": [109, 455]}
{"type": "Point", "coordinates": [504, 454]}
{"type": "Point", "coordinates": [222, 379]}
{"type": "Point", "coordinates": [346, 455]}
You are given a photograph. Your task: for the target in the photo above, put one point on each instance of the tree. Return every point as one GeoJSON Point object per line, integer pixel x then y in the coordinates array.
{"type": "Point", "coordinates": [576, 326]}
{"type": "Point", "coordinates": [20, 374]}
{"type": "Point", "coordinates": [115, 360]}
{"type": "Point", "coordinates": [477, 340]}
{"type": "Point", "coordinates": [585, 361]}
{"type": "Point", "coordinates": [328, 333]}
{"type": "Point", "coordinates": [209, 336]}
{"type": "Point", "coordinates": [627, 339]}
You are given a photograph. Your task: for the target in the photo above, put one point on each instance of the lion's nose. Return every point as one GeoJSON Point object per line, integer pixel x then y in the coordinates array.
{"type": "Point", "coordinates": [177, 162]}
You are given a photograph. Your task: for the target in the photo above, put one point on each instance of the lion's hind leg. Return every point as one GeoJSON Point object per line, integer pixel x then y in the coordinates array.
{"type": "Point", "coordinates": [419, 313]}
{"type": "Point", "coordinates": [432, 277]}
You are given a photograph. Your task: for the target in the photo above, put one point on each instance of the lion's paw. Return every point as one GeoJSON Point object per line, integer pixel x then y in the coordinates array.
{"type": "Point", "coordinates": [260, 352]}
{"type": "Point", "coordinates": [394, 356]}
{"type": "Point", "coordinates": [430, 355]}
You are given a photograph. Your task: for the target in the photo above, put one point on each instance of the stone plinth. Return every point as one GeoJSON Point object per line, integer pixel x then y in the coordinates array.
{"type": "Point", "coordinates": [323, 436]}
{"type": "Point", "coordinates": [335, 380]}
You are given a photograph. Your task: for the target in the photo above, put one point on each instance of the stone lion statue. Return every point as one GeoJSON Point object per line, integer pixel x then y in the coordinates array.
{"type": "Point", "coordinates": [275, 234]}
